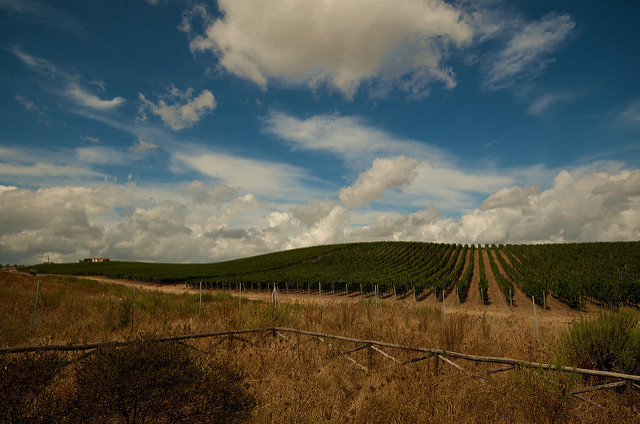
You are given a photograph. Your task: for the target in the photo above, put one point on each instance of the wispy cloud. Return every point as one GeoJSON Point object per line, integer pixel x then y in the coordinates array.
{"type": "Point", "coordinates": [100, 155]}
{"type": "Point", "coordinates": [349, 138]}
{"type": "Point", "coordinates": [91, 139]}
{"type": "Point", "coordinates": [543, 103]}
{"type": "Point", "coordinates": [18, 165]}
{"type": "Point", "coordinates": [451, 187]}
{"type": "Point", "coordinates": [66, 84]}
{"type": "Point", "coordinates": [250, 175]}
{"type": "Point", "coordinates": [631, 113]}
{"type": "Point", "coordinates": [43, 169]}
{"type": "Point", "coordinates": [31, 106]}
{"type": "Point", "coordinates": [83, 98]}
{"type": "Point", "coordinates": [528, 50]}
{"type": "Point", "coordinates": [439, 177]}
{"type": "Point", "coordinates": [27, 104]}
{"type": "Point", "coordinates": [142, 146]}
{"type": "Point", "coordinates": [36, 64]}
{"type": "Point", "coordinates": [43, 12]}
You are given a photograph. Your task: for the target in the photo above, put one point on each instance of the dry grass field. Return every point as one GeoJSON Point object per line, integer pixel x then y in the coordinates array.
{"type": "Point", "coordinates": [300, 379]}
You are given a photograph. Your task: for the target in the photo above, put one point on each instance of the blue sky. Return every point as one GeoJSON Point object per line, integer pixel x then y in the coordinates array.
{"type": "Point", "coordinates": [187, 131]}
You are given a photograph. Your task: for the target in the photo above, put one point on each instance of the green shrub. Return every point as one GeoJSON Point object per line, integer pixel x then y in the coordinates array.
{"type": "Point", "coordinates": [610, 342]}
{"type": "Point", "coordinates": [149, 381]}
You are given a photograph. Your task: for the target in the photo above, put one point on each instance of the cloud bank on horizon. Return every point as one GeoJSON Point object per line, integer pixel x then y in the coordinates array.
{"type": "Point", "coordinates": [205, 131]}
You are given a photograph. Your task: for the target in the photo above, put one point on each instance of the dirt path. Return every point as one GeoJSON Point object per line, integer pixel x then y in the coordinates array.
{"type": "Point", "coordinates": [473, 296]}
{"type": "Point", "coordinates": [496, 298]}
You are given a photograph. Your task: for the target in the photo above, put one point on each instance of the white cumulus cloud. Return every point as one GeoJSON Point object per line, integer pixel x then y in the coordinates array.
{"type": "Point", "coordinates": [333, 228]}
{"type": "Point", "coordinates": [383, 174]}
{"type": "Point", "coordinates": [579, 207]}
{"type": "Point", "coordinates": [67, 223]}
{"type": "Point", "coordinates": [313, 211]}
{"type": "Point", "coordinates": [512, 196]}
{"type": "Point", "coordinates": [179, 109]}
{"type": "Point", "coordinates": [203, 194]}
{"type": "Point", "coordinates": [338, 42]}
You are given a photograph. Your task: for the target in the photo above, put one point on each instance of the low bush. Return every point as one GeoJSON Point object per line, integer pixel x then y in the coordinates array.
{"type": "Point", "coordinates": [27, 388]}
{"type": "Point", "coordinates": [610, 342]}
{"type": "Point", "coordinates": [149, 381]}
{"type": "Point", "coordinates": [140, 382]}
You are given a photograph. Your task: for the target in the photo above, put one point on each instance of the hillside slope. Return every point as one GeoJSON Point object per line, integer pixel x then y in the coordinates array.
{"type": "Point", "coordinates": [601, 272]}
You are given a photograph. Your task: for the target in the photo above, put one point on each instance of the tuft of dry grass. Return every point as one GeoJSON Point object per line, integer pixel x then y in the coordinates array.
{"type": "Point", "coordinates": [306, 380]}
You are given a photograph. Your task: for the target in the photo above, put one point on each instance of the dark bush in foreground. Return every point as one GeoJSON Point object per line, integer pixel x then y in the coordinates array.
{"type": "Point", "coordinates": [609, 343]}
{"type": "Point", "coordinates": [148, 381]}
{"type": "Point", "coordinates": [27, 386]}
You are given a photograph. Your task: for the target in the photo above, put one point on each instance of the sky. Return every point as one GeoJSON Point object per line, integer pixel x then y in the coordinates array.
{"type": "Point", "coordinates": [201, 131]}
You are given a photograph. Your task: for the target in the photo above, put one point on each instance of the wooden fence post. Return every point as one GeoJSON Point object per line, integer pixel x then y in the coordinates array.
{"type": "Point", "coordinates": [435, 364]}
{"type": "Point", "coordinates": [230, 341]}
{"type": "Point", "coordinates": [535, 316]}
{"type": "Point", "coordinates": [275, 296]}
{"type": "Point", "coordinates": [35, 307]}
{"type": "Point", "coordinates": [133, 305]}
{"type": "Point", "coordinates": [376, 295]}
{"type": "Point", "coordinates": [200, 302]}
{"type": "Point", "coordinates": [369, 357]}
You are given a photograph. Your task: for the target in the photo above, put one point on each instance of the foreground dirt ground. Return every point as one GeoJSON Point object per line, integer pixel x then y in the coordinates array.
{"type": "Point", "coordinates": [302, 379]}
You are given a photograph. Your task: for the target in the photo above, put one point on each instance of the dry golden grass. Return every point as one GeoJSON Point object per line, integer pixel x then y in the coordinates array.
{"type": "Point", "coordinates": [305, 380]}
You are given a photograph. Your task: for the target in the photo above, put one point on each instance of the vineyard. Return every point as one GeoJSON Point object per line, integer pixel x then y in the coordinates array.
{"type": "Point", "coordinates": [607, 273]}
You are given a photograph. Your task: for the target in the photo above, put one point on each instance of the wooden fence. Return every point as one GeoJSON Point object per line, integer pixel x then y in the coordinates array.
{"type": "Point", "coordinates": [375, 347]}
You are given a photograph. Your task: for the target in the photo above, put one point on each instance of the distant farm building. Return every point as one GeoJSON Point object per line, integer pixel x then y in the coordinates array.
{"type": "Point", "coordinates": [95, 260]}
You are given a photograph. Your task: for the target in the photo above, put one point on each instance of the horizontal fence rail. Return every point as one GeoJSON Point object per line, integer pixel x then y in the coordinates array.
{"type": "Point", "coordinates": [438, 353]}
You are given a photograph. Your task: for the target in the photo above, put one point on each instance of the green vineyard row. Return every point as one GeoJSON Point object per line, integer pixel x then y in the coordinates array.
{"type": "Point", "coordinates": [603, 272]}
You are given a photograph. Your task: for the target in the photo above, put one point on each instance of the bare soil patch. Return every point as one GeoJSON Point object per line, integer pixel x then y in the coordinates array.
{"type": "Point", "coordinates": [473, 297]}
{"type": "Point", "coordinates": [496, 298]}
